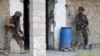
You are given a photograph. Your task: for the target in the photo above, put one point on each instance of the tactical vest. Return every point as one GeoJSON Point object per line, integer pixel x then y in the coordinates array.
{"type": "Point", "coordinates": [81, 18]}
{"type": "Point", "coordinates": [14, 21]}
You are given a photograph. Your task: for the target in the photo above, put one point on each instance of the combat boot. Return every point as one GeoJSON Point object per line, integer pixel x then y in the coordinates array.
{"type": "Point", "coordinates": [22, 51]}
{"type": "Point", "coordinates": [7, 51]}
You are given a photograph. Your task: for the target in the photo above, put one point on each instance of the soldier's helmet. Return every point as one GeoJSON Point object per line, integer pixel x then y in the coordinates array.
{"type": "Point", "coordinates": [81, 8]}
{"type": "Point", "coordinates": [18, 13]}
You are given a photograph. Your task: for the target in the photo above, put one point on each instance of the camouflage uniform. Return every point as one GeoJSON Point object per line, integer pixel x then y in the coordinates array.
{"type": "Point", "coordinates": [12, 34]}
{"type": "Point", "coordinates": [12, 27]}
{"type": "Point", "coordinates": [81, 30]}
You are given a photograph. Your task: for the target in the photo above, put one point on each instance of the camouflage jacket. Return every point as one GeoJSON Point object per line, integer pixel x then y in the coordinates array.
{"type": "Point", "coordinates": [81, 21]}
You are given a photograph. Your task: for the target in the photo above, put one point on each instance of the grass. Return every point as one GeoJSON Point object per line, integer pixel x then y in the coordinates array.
{"type": "Point", "coordinates": [88, 53]}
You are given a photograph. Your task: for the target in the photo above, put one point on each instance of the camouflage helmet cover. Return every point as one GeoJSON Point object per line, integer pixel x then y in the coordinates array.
{"type": "Point", "coordinates": [18, 13]}
{"type": "Point", "coordinates": [81, 8]}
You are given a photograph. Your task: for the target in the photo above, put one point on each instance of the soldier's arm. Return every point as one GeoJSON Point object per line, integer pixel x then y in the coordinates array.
{"type": "Point", "coordinates": [86, 20]}
{"type": "Point", "coordinates": [19, 25]}
{"type": "Point", "coordinates": [76, 20]}
{"type": "Point", "coordinates": [8, 23]}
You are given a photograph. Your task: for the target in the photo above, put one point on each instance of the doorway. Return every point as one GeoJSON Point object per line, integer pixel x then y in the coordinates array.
{"type": "Point", "coordinates": [26, 24]}
{"type": "Point", "coordinates": [50, 24]}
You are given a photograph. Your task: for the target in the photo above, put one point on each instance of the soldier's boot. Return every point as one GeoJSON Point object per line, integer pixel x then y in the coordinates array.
{"type": "Point", "coordinates": [85, 47]}
{"type": "Point", "coordinates": [22, 51]}
{"type": "Point", "coordinates": [73, 47]}
{"type": "Point", "coordinates": [7, 51]}
{"type": "Point", "coordinates": [85, 44]}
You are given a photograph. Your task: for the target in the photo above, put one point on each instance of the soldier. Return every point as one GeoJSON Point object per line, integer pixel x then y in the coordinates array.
{"type": "Point", "coordinates": [13, 26]}
{"type": "Point", "coordinates": [81, 28]}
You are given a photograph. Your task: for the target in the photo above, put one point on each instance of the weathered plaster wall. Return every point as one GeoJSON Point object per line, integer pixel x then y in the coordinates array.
{"type": "Point", "coordinates": [4, 13]}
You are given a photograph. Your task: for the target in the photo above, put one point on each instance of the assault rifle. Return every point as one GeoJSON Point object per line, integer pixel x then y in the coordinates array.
{"type": "Point", "coordinates": [84, 26]}
{"type": "Point", "coordinates": [20, 33]}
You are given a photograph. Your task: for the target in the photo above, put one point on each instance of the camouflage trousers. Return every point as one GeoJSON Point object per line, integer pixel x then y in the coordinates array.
{"type": "Point", "coordinates": [12, 34]}
{"type": "Point", "coordinates": [81, 38]}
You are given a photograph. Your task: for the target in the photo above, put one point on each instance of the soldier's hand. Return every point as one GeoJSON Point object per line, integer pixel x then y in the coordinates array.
{"type": "Point", "coordinates": [12, 25]}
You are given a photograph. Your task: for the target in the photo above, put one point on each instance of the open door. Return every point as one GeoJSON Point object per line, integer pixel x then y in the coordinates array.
{"type": "Point", "coordinates": [26, 23]}
{"type": "Point", "coordinates": [50, 24]}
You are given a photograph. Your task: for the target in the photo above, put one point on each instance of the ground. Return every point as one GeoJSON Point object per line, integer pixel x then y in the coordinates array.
{"type": "Point", "coordinates": [94, 52]}
{"type": "Point", "coordinates": [60, 53]}
{"type": "Point", "coordinates": [16, 55]}
{"type": "Point", "coordinates": [13, 54]}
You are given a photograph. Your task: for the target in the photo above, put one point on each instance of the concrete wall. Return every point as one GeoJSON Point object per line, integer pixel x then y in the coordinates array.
{"type": "Point", "coordinates": [92, 10]}
{"type": "Point", "coordinates": [37, 28]}
{"type": "Point", "coordinates": [4, 13]}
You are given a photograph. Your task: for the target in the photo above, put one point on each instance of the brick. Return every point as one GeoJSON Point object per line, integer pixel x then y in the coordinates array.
{"type": "Point", "coordinates": [98, 8]}
{"type": "Point", "coordinates": [97, 3]}
{"type": "Point", "coordinates": [42, 1]}
{"type": "Point", "coordinates": [42, 26]}
{"type": "Point", "coordinates": [36, 32]}
{"type": "Point", "coordinates": [34, 13]}
{"type": "Point", "coordinates": [88, 3]}
{"type": "Point", "coordinates": [43, 20]}
{"type": "Point", "coordinates": [41, 13]}
{"type": "Point", "coordinates": [68, 2]}
{"type": "Point", "coordinates": [36, 19]}
{"type": "Point", "coordinates": [72, 3]}
{"type": "Point", "coordinates": [35, 1]}
{"type": "Point", "coordinates": [35, 6]}
{"type": "Point", "coordinates": [92, 4]}
{"type": "Point", "coordinates": [95, 8]}
{"type": "Point", "coordinates": [35, 26]}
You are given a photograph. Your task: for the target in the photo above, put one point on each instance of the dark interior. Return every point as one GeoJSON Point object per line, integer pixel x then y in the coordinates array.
{"type": "Point", "coordinates": [47, 20]}
{"type": "Point", "coordinates": [26, 23]}
{"type": "Point", "coordinates": [49, 3]}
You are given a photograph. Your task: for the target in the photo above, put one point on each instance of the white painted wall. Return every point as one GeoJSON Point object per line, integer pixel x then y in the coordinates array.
{"type": "Point", "coordinates": [16, 5]}
{"type": "Point", "coordinates": [60, 19]}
